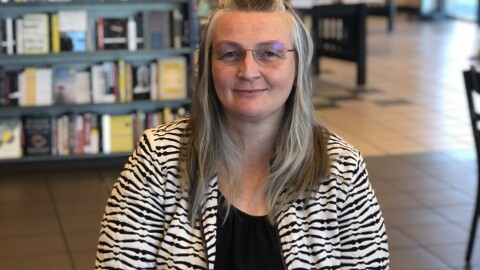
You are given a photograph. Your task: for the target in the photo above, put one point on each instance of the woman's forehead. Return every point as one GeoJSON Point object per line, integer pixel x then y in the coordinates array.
{"type": "Point", "coordinates": [252, 26]}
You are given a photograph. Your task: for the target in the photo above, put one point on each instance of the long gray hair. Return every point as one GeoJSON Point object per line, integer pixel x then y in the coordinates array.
{"type": "Point", "coordinates": [299, 161]}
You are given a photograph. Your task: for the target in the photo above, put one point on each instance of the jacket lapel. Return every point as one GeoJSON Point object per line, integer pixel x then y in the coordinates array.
{"type": "Point", "coordinates": [209, 222]}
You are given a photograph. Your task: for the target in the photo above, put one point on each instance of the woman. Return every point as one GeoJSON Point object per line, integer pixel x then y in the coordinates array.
{"type": "Point", "coordinates": [249, 180]}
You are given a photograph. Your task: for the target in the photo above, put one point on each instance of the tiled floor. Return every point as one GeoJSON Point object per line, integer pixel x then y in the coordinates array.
{"type": "Point", "coordinates": [410, 122]}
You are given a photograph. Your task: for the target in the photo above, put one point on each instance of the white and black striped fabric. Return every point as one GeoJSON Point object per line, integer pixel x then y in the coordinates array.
{"type": "Point", "coordinates": [145, 225]}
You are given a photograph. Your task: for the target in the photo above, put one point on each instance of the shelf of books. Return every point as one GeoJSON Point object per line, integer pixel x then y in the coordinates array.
{"type": "Point", "coordinates": [81, 80]}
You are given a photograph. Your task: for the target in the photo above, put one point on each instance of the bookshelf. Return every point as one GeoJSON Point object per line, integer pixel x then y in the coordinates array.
{"type": "Point", "coordinates": [92, 54]}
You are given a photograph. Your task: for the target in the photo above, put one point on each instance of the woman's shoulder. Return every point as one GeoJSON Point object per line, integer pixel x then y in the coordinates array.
{"type": "Point", "coordinates": [339, 150]}
{"type": "Point", "coordinates": [171, 132]}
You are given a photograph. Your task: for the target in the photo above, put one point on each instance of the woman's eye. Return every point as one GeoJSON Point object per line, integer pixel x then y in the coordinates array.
{"type": "Point", "coordinates": [269, 54]}
{"type": "Point", "coordinates": [230, 55]}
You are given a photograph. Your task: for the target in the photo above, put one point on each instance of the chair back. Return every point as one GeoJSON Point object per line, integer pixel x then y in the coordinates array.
{"type": "Point", "coordinates": [472, 85]}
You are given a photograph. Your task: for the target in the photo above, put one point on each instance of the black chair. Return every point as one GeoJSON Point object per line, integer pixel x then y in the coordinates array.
{"type": "Point", "coordinates": [472, 84]}
{"type": "Point", "coordinates": [339, 31]}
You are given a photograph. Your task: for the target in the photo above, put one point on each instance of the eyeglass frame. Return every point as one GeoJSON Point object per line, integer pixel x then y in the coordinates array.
{"type": "Point", "coordinates": [254, 54]}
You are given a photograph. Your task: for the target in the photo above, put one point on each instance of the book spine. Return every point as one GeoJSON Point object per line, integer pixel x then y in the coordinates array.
{"type": "Point", "coordinates": [177, 28]}
{"type": "Point", "coordinates": [30, 87]}
{"type": "Point", "coordinates": [106, 144]}
{"type": "Point", "coordinates": [100, 34]}
{"type": "Point", "coordinates": [3, 32]}
{"type": "Point", "coordinates": [153, 81]}
{"type": "Point", "coordinates": [55, 34]}
{"type": "Point", "coordinates": [19, 35]}
{"type": "Point", "coordinates": [10, 40]}
{"type": "Point", "coordinates": [122, 85]}
{"type": "Point", "coordinates": [132, 34]}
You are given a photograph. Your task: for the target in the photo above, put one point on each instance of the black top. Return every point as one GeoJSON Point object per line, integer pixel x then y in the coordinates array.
{"type": "Point", "coordinates": [245, 241]}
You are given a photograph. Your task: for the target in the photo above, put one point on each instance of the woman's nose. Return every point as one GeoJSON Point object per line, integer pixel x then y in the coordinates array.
{"type": "Point", "coordinates": [249, 67]}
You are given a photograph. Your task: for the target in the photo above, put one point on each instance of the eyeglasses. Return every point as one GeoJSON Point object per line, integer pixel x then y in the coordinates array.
{"type": "Point", "coordinates": [268, 55]}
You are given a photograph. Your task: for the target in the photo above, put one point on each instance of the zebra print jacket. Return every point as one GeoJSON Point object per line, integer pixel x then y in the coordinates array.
{"type": "Point", "coordinates": [145, 225]}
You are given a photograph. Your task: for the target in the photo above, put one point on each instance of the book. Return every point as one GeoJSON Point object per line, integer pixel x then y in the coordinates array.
{"type": "Point", "coordinates": [139, 125]}
{"type": "Point", "coordinates": [98, 83]}
{"type": "Point", "coordinates": [10, 138]}
{"type": "Point", "coordinates": [64, 85]}
{"type": "Point", "coordinates": [153, 67]}
{"type": "Point", "coordinates": [72, 27]}
{"type": "Point", "coordinates": [158, 29]}
{"type": "Point", "coordinates": [11, 88]}
{"type": "Point", "coordinates": [38, 135]}
{"type": "Point", "coordinates": [121, 79]}
{"type": "Point", "coordinates": [44, 89]}
{"type": "Point", "coordinates": [91, 134]}
{"type": "Point", "coordinates": [55, 33]}
{"type": "Point", "coordinates": [9, 36]}
{"type": "Point", "coordinates": [3, 33]}
{"type": "Point", "coordinates": [36, 33]}
{"type": "Point", "coordinates": [62, 135]}
{"type": "Point", "coordinates": [139, 30]}
{"type": "Point", "coordinates": [117, 133]}
{"type": "Point", "coordinates": [177, 28]}
{"type": "Point", "coordinates": [28, 93]}
{"type": "Point", "coordinates": [132, 34]}
{"type": "Point", "coordinates": [141, 82]}
{"type": "Point", "coordinates": [82, 87]}
{"type": "Point", "coordinates": [172, 78]}
{"type": "Point", "coordinates": [114, 33]}
{"type": "Point", "coordinates": [128, 82]}
{"type": "Point", "coordinates": [111, 82]}
{"type": "Point", "coordinates": [19, 36]}
{"type": "Point", "coordinates": [100, 34]}
{"type": "Point", "coordinates": [3, 90]}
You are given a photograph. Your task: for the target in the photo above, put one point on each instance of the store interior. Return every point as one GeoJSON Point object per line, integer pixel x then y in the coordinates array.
{"type": "Point", "coordinates": [410, 121]}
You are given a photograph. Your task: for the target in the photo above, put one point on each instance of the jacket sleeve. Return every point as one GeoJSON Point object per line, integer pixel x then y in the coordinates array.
{"type": "Point", "coordinates": [133, 220]}
{"type": "Point", "coordinates": [363, 239]}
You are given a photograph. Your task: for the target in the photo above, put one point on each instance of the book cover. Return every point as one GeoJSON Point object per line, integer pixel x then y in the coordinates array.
{"type": "Point", "coordinates": [115, 33]}
{"type": "Point", "coordinates": [159, 29]}
{"type": "Point", "coordinates": [38, 135]}
{"type": "Point", "coordinates": [121, 133]}
{"type": "Point", "coordinates": [82, 87]}
{"type": "Point", "coordinates": [172, 78]}
{"type": "Point", "coordinates": [64, 85]}
{"type": "Point", "coordinates": [36, 33]}
{"type": "Point", "coordinates": [109, 68]}
{"type": "Point", "coordinates": [72, 26]}
{"type": "Point", "coordinates": [98, 83]}
{"type": "Point", "coordinates": [141, 82]}
{"type": "Point", "coordinates": [10, 138]}
{"type": "Point", "coordinates": [117, 133]}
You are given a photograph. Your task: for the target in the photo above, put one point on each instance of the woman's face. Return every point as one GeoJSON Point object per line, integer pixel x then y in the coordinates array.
{"type": "Point", "coordinates": [253, 88]}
